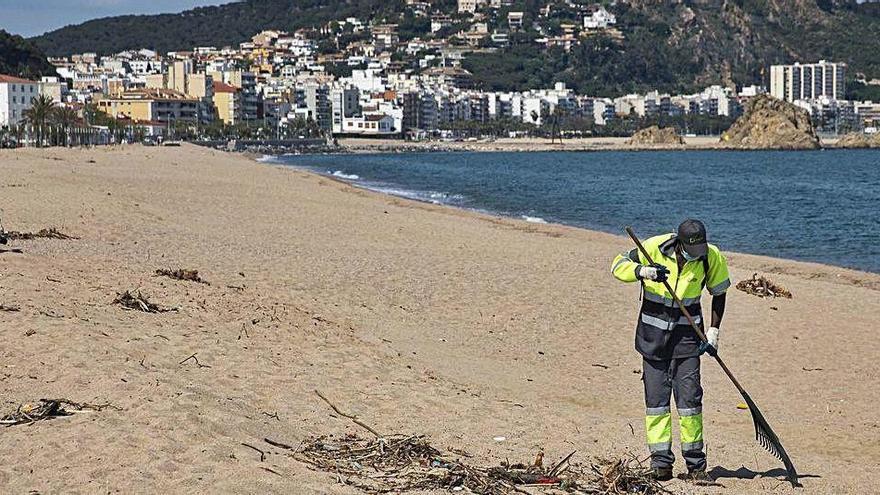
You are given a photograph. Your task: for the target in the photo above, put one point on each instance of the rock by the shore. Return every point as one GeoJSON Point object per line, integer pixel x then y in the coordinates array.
{"type": "Point", "coordinates": [655, 136]}
{"type": "Point", "coordinates": [858, 140]}
{"type": "Point", "coordinates": [769, 123]}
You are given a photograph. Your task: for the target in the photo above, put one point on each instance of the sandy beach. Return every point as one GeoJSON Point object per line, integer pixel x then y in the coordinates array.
{"type": "Point", "coordinates": [417, 318]}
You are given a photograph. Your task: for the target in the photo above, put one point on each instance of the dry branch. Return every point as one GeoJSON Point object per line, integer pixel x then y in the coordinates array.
{"type": "Point", "coordinates": [353, 418]}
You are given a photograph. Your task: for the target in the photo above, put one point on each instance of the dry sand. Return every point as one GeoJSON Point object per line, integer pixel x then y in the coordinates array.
{"type": "Point", "coordinates": [418, 318]}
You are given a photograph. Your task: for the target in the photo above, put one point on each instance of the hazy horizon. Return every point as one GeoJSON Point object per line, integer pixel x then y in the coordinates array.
{"type": "Point", "coordinates": [32, 18]}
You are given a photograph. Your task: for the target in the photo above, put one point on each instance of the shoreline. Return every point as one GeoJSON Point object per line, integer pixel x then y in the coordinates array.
{"type": "Point", "coordinates": [417, 318]}
{"type": "Point", "coordinates": [692, 143]}
{"type": "Point", "coordinates": [262, 160]}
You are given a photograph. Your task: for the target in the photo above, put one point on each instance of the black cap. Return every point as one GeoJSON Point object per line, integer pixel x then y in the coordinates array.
{"type": "Point", "coordinates": [692, 234]}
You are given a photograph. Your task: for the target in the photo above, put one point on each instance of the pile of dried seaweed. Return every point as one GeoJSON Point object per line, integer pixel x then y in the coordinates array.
{"type": "Point", "coordinates": [138, 302]}
{"type": "Point", "coordinates": [46, 409]}
{"type": "Point", "coordinates": [762, 287]}
{"type": "Point", "coordinates": [182, 274]}
{"type": "Point", "coordinates": [400, 463]}
{"type": "Point", "coordinates": [623, 476]}
{"type": "Point", "coordinates": [51, 233]}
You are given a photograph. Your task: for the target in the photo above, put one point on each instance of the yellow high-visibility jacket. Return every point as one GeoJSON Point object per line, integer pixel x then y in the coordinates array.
{"type": "Point", "coordinates": [662, 331]}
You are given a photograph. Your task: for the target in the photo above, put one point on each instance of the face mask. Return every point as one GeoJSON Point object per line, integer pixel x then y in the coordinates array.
{"type": "Point", "coordinates": [687, 257]}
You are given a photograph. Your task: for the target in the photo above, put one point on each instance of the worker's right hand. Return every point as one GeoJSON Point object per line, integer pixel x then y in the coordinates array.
{"type": "Point", "coordinates": [655, 272]}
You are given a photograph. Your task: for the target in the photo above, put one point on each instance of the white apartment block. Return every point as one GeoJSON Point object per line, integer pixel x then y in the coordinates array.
{"type": "Point", "coordinates": [808, 81]}
{"type": "Point", "coordinates": [467, 6]}
{"type": "Point", "coordinates": [599, 19]}
{"type": "Point", "coordinates": [15, 98]}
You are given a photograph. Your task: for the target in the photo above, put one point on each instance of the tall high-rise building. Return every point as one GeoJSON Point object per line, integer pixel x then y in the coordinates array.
{"type": "Point", "coordinates": [808, 81]}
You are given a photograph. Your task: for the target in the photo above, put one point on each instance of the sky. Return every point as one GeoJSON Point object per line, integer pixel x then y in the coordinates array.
{"type": "Point", "coordinates": [33, 17]}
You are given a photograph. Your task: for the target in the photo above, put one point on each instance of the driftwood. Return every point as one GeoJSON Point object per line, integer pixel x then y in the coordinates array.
{"type": "Point", "coordinates": [182, 274]}
{"type": "Point", "coordinates": [51, 233]}
{"type": "Point", "coordinates": [762, 287]}
{"type": "Point", "coordinates": [138, 302]}
{"type": "Point", "coordinates": [47, 409]}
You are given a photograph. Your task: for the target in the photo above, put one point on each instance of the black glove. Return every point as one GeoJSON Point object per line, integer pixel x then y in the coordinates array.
{"type": "Point", "coordinates": [655, 272]}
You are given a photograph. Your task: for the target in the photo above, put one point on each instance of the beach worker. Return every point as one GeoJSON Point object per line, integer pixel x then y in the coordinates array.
{"type": "Point", "coordinates": [669, 346]}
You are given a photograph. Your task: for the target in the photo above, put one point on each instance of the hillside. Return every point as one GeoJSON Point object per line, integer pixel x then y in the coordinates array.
{"type": "Point", "coordinates": [671, 46]}
{"type": "Point", "coordinates": [204, 26]}
{"type": "Point", "coordinates": [18, 57]}
{"type": "Point", "coordinates": [681, 46]}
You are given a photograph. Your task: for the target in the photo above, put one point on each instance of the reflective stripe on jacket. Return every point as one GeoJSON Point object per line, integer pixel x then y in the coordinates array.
{"type": "Point", "coordinates": [662, 331]}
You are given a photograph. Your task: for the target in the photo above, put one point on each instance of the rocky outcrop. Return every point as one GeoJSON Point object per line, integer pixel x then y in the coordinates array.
{"type": "Point", "coordinates": [655, 137]}
{"type": "Point", "coordinates": [858, 140]}
{"type": "Point", "coordinates": [768, 123]}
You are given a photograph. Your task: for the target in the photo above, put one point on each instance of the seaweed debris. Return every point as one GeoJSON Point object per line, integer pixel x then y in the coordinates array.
{"type": "Point", "coordinates": [762, 287]}
{"type": "Point", "coordinates": [31, 412]}
{"type": "Point", "coordinates": [51, 233]}
{"type": "Point", "coordinates": [182, 274]}
{"type": "Point", "coordinates": [138, 302]}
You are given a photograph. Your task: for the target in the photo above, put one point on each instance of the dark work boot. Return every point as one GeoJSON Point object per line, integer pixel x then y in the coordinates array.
{"type": "Point", "coordinates": [699, 477]}
{"type": "Point", "coordinates": [661, 473]}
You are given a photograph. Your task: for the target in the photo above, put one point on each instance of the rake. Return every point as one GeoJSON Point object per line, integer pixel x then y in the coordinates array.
{"type": "Point", "coordinates": [763, 433]}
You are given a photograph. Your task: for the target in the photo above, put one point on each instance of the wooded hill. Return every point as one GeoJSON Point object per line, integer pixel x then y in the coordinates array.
{"type": "Point", "coordinates": [669, 46]}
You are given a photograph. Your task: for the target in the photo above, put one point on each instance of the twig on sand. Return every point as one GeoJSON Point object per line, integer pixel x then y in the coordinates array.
{"type": "Point", "coordinates": [278, 444]}
{"type": "Point", "coordinates": [262, 453]}
{"type": "Point", "coordinates": [559, 465]}
{"type": "Point", "coordinates": [353, 418]}
{"type": "Point", "coordinates": [194, 358]}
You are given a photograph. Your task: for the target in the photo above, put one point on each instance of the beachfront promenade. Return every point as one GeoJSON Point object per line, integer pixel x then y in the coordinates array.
{"type": "Point", "coordinates": [417, 318]}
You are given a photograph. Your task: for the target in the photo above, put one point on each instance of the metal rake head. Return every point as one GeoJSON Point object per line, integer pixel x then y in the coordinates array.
{"type": "Point", "coordinates": [768, 439]}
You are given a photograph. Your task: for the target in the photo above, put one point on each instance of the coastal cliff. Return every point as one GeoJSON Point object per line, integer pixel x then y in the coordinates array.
{"type": "Point", "coordinates": [769, 123]}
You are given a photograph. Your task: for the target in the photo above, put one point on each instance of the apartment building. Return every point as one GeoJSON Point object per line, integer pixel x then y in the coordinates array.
{"type": "Point", "coordinates": [15, 98]}
{"type": "Point", "coordinates": [808, 81]}
{"type": "Point", "coordinates": [153, 105]}
{"type": "Point", "coordinates": [227, 103]}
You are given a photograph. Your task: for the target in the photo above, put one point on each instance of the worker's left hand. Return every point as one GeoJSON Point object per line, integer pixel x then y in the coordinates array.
{"type": "Point", "coordinates": [711, 344]}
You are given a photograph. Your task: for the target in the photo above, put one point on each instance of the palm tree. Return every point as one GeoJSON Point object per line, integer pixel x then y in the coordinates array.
{"type": "Point", "coordinates": [66, 118]}
{"type": "Point", "coordinates": [39, 114]}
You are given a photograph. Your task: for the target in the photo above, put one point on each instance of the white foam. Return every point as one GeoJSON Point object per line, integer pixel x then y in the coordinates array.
{"type": "Point", "coordinates": [435, 197]}
{"type": "Point", "coordinates": [343, 175]}
{"type": "Point", "coordinates": [533, 219]}
{"type": "Point", "coordinates": [267, 159]}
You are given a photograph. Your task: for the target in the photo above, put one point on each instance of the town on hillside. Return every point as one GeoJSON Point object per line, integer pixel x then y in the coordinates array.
{"type": "Point", "coordinates": [353, 77]}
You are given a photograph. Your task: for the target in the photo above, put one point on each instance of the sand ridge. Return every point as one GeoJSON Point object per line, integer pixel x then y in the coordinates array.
{"type": "Point", "coordinates": [418, 318]}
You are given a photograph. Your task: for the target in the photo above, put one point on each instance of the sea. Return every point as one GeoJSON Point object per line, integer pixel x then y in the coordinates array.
{"type": "Point", "coordinates": [821, 206]}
